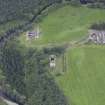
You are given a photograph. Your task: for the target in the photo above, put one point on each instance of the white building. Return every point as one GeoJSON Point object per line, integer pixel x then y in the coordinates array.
{"type": "Point", "coordinates": [52, 59]}
{"type": "Point", "coordinates": [97, 36]}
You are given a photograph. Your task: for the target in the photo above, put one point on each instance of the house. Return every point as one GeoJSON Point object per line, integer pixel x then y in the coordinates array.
{"type": "Point", "coordinates": [52, 59]}
{"type": "Point", "coordinates": [35, 34]}
{"type": "Point", "coordinates": [97, 36]}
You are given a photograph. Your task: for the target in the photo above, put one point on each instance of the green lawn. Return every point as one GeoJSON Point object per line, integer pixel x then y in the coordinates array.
{"type": "Point", "coordinates": [65, 24]}
{"type": "Point", "coordinates": [84, 81]}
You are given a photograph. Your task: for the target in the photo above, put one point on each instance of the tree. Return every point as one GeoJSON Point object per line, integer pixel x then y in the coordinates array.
{"type": "Point", "coordinates": [12, 63]}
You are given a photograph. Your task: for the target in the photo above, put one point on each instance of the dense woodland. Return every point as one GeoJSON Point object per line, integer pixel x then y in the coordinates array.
{"type": "Point", "coordinates": [22, 9]}
{"type": "Point", "coordinates": [27, 9]}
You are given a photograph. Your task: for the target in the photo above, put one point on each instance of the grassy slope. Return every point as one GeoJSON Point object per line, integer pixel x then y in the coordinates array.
{"type": "Point", "coordinates": [66, 24]}
{"type": "Point", "coordinates": [84, 82]}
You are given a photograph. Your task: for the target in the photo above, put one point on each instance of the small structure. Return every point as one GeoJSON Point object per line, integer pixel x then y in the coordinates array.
{"type": "Point", "coordinates": [52, 59]}
{"type": "Point", "coordinates": [35, 34]}
{"type": "Point", "coordinates": [97, 36]}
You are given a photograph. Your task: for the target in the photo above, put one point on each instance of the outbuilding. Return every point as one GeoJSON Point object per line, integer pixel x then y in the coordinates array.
{"type": "Point", "coordinates": [97, 36]}
{"type": "Point", "coordinates": [52, 62]}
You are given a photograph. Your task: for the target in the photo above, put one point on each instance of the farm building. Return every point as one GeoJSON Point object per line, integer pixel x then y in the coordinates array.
{"type": "Point", "coordinates": [52, 59]}
{"type": "Point", "coordinates": [35, 34]}
{"type": "Point", "coordinates": [97, 36]}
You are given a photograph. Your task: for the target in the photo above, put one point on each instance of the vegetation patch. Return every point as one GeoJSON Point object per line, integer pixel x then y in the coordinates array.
{"type": "Point", "coordinates": [98, 26]}
{"type": "Point", "coordinates": [83, 83]}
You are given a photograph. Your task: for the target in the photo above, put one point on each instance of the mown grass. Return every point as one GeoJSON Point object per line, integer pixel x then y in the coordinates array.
{"type": "Point", "coordinates": [84, 81]}
{"type": "Point", "coordinates": [65, 24]}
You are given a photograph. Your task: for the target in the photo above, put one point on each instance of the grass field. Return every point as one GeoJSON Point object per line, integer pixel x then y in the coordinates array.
{"type": "Point", "coordinates": [65, 24]}
{"type": "Point", "coordinates": [84, 81]}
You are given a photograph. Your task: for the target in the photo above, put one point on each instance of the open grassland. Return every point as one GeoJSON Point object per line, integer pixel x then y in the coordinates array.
{"type": "Point", "coordinates": [65, 24]}
{"type": "Point", "coordinates": [84, 81]}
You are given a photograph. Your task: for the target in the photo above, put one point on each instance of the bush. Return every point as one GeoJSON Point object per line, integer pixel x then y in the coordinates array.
{"type": "Point", "coordinates": [12, 63]}
{"type": "Point", "coordinates": [75, 3]}
{"type": "Point", "coordinates": [28, 76]}
{"type": "Point", "coordinates": [97, 5]}
{"type": "Point", "coordinates": [98, 26]}
{"type": "Point", "coordinates": [55, 50]}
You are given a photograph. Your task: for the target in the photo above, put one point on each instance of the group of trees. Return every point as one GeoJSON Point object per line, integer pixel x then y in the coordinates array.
{"type": "Point", "coordinates": [22, 9]}
{"type": "Point", "coordinates": [90, 3]}
{"type": "Point", "coordinates": [12, 64]}
{"type": "Point", "coordinates": [13, 32]}
{"type": "Point", "coordinates": [27, 75]}
{"type": "Point", "coordinates": [98, 26]}
{"type": "Point", "coordinates": [97, 4]}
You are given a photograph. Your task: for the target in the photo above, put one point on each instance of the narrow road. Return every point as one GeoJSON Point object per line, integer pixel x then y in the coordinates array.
{"type": "Point", "coordinates": [8, 102]}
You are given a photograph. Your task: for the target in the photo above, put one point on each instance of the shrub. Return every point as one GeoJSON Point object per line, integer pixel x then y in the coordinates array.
{"type": "Point", "coordinates": [55, 50]}
{"type": "Point", "coordinates": [97, 5]}
{"type": "Point", "coordinates": [98, 26]}
{"type": "Point", "coordinates": [75, 3]}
